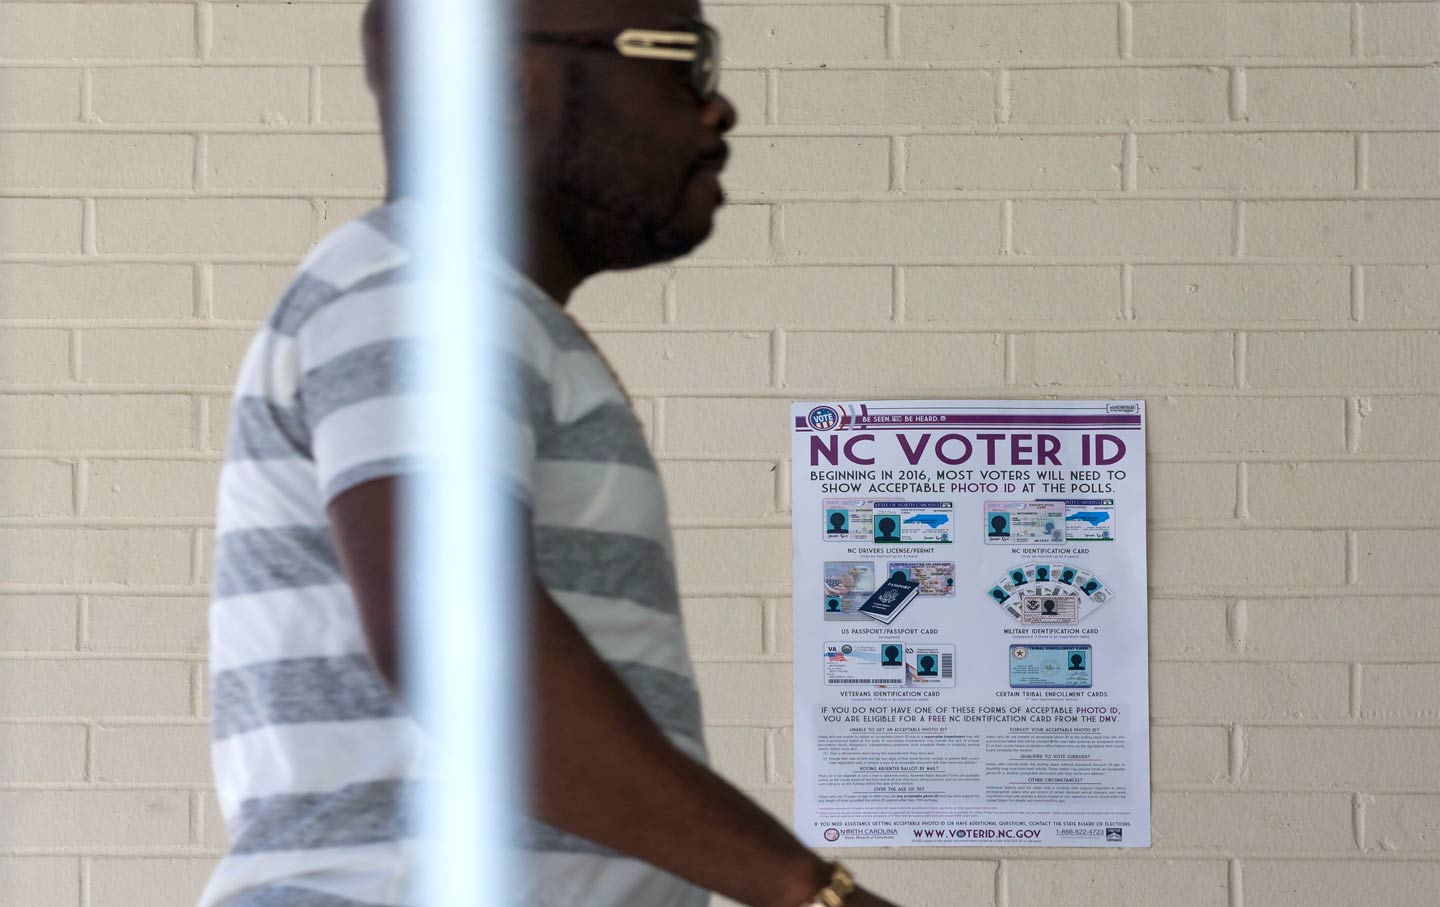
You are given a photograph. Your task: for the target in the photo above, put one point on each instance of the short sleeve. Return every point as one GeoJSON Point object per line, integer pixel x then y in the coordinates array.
{"type": "Point", "coordinates": [364, 396]}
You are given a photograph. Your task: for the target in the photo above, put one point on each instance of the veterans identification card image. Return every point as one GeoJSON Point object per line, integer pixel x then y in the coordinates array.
{"type": "Point", "coordinates": [1047, 667]}
{"type": "Point", "coordinates": [930, 666]}
{"type": "Point", "coordinates": [864, 662]}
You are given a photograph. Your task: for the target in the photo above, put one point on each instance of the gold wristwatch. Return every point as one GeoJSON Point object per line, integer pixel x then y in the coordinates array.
{"type": "Point", "coordinates": [835, 893]}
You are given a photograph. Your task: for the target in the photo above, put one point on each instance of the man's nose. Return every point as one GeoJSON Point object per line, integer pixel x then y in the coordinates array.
{"type": "Point", "coordinates": [719, 114]}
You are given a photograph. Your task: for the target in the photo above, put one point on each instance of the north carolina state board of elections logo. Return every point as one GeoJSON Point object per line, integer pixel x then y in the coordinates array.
{"type": "Point", "coordinates": [824, 418]}
{"type": "Point", "coordinates": [832, 834]}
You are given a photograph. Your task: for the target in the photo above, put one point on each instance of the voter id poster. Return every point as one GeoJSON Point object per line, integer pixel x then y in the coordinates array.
{"type": "Point", "coordinates": [970, 598]}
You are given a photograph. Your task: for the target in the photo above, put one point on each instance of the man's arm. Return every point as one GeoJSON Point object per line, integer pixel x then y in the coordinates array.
{"type": "Point", "coordinates": [602, 768]}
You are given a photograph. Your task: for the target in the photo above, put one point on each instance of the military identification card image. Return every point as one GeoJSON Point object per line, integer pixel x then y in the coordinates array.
{"type": "Point", "coordinates": [1024, 522]}
{"type": "Point", "coordinates": [1048, 607]}
{"type": "Point", "coordinates": [930, 666]}
{"type": "Point", "coordinates": [913, 522]}
{"type": "Point", "coordinates": [1047, 667]}
{"type": "Point", "coordinates": [864, 662]}
{"type": "Point", "coordinates": [935, 578]}
{"type": "Point", "coordinates": [1064, 573]}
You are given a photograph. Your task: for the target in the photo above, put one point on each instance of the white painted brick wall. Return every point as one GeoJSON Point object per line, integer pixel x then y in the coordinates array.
{"type": "Point", "coordinates": [1237, 205]}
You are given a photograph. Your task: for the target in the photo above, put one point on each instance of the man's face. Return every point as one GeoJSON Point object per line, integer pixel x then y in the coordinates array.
{"type": "Point", "coordinates": [623, 157]}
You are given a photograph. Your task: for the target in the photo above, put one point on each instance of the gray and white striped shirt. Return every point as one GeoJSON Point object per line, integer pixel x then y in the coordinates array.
{"type": "Point", "coordinates": [313, 755]}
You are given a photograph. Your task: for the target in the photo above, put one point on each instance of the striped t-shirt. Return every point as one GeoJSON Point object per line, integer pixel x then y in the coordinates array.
{"type": "Point", "coordinates": [314, 756]}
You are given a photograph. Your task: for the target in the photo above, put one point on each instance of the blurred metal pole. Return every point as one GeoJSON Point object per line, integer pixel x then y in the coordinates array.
{"type": "Point", "coordinates": [464, 638]}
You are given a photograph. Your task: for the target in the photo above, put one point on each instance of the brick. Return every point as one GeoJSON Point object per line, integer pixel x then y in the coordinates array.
{"type": "Point", "coordinates": [782, 296]}
{"type": "Point", "coordinates": [97, 30]}
{"type": "Point", "coordinates": [663, 361]}
{"type": "Point", "coordinates": [1338, 97]}
{"type": "Point", "coordinates": [1191, 492]}
{"type": "Point", "coordinates": [1403, 160]}
{"type": "Point", "coordinates": [45, 160]}
{"type": "Point", "coordinates": [235, 95]}
{"type": "Point", "coordinates": [207, 549]}
{"type": "Point", "coordinates": [1028, 294]}
{"type": "Point", "coordinates": [37, 488]}
{"type": "Point", "coordinates": [1341, 758]}
{"type": "Point", "coordinates": [1190, 30]}
{"type": "Point", "coordinates": [179, 356]}
{"type": "Point", "coordinates": [622, 297]}
{"type": "Point", "coordinates": [92, 688]}
{"type": "Point", "coordinates": [1245, 425]}
{"type": "Point", "coordinates": [140, 623]}
{"type": "Point", "coordinates": [1115, 228]}
{"type": "Point", "coordinates": [203, 225]}
{"type": "Point", "coordinates": [177, 754]}
{"type": "Point", "coordinates": [1389, 557]}
{"type": "Point", "coordinates": [1189, 629]}
{"type": "Point", "coordinates": [747, 92]}
{"type": "Point", "coordinates": [34, 356]}
{"type": "Point", "coordinates": [952, 360]}
{"type": "Point", "coordinates": [219, 423]}
{"type": "Point", "coordinates": [1400, 693]}
{"type": "Point", "coordinates": [1131, 359]}
{"type": "Point", "coordinates": [768, 166]}
{"type": "Point", "coordinates": [892, 231]}
{"type": "Point", "coordinates": [1401, 294]}
{"type": "Point", "coordinates": [38, 622]}
{"type": "Point", "coordinates": [125, 881]}
{"type": "Point", "coordinates": [247, 292]}
{"type": "Point", "coordinates": [885, 98]}
{"type": "Point", "coordinates": [1189, 755]}
{"type": "Point", "coordinates": [782, 35]}
{"type": "Point", "coordinates": [1027, 162]}
{"type": "Point", "coordinates": [1206, 559]}
{"type": "Point", "coordinates": [95, 290]}
{"type": "Point", "coordinates": [1303, 161]}
{"type": "Point", "coordinates": [1342, 629]}
{"type": "Point", "coordinates": [1399, 29]}
{"type": "Point", "coordinates": [738, 754]}
{"type": "Point", "coordinates": [95, 818]}
{"type": "Point", "coordinates": [933, 883]}
{"type": "Point", "coordinates": [303, 33]}
{"type": "Point", "coordinates": [32, 753]}
{"type": "Point", "coordinates": [1402, 824]}
{"type": "Point", "coordinates": [1249, 692]}
{"type": "Point", "coordinates": [179, 489]}
{"type": "Point", "coordinates": [1372, 359]}
{"type": "Point", "coordinates": [344, 97]}
{"type": "Point", "coordinates": [712, 426]}
{"type": "Point", "coordinates": [1297, 883]}
{"type": "Point", "coordinates": [1236, 294]}
{"type": "Point", "coordinates": [54, 556]}
{"type": "Point", "coordinates": [50, 224]}
{"type": "Point", "coordinates": [722, 627]}
{"type": "Point", "coordinates": [296, 163]}
{"type": "Point", "coordinates": [39, 95]}
{"type": "Point", "coordinates": [1396, 228]}
{"type": "Point", "coordinates": [1127, 882]}
{"type": "Point", "coordinates": [1004, 33]}
{"type": "Point", "coordinates": [55, 422]}
{"type": "Point", "coordinates": [1130, 96]}
{"type": "Point", "coordinates": [48, 881]}
{"type": "Point", "coordinates": [728, 561]}
{"type": "Point", "coordinates": [719, 490]}
{"type": "Point", "coordinates": [1345, 493]}
{"type": "Point", "coordinates": [1252, 823]}
{"type": "Point", "coordinates": [741, 233]}
{"type": "Point", "coordinates": [737, 692]}
{"type": "Point", "coordinates": [1400, 425]}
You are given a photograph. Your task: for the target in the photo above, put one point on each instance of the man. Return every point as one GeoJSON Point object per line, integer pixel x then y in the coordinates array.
{"type": "Point", "coordinates": [314, 750]}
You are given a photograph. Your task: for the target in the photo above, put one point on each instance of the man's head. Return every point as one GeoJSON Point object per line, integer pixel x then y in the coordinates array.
{"type": "Point", "coordinates": [619, 155]}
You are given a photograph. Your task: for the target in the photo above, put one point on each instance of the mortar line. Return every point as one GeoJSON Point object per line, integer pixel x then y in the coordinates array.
{"type": "Point", "coordinates": [90, 744]}
{"type": "Point", "coordinates": [1357, 31]}
{"type": "Point", "coordinates": [1002, 97]}
{"type": "Point", "coordinates": [1352, 557]}
{"type": "Point", "coordinates": [82, 485]}
{"type": "Point", "coordinates": [1242, 490]}
{"type": "Point", "coordinates": [87, 95]}
{"type": "Point", "coordinates": [897, 294]}
{"type": "Point", "coordinates": [1355, 688]}
{"type": "Point", "coordinates": [1362, 161]}
{"type": "Point", "coordinates": [1357, 820]}
{"type": "Point", "coordinates": [1237, 754]}
{"type": "Point", "coordinates": [197, 557]}
{"type": "Point", "coordinates": [1240, 351]}
{"type": "Point", "coordinates": [670, 301]}
{"type": "Point", "coordinates": [89, 231]}
{"type": "Point", "coordinates": [657, 426]}
{"type": "Point", "coordinates": [314, 89]}
{"type": "Point", "coordinates": [197, 696]}
{"type": "Point", "coordinates": [777, 233]}
{"type": "Point", "coordinates": [1127, 30]}
{"type": "Point", "coordinates": [1002, 883]}
{"type": "Point", "coordinates": [1010, 368]}
{"type": "Point", "coordinates": [73, 353]}
{"type": "Point", "coordinates": [1129, 163]}
{"type": "Point", "coordinates": [202, 423]}
{"type": "Point", "coordinates": [1127, 292]}
{"type": "Point", "coordinates": [82, 623]}
{"type": "Point", "coordinates": [197, 806]}
{"type": "Point", "coordinates": [204, 30]}
{"type": "Point", "coordinates": [1239, 102]}
{"type": "Point", "coordinates": [1236, 883]}
{"type": "Point", "coordinates": [1238, 228]}
{"type": "Point", "coordinates": [1007, 227]}
{"type": "Point", "coordinates": [1238, 619]}
{"type": "Point", "coordinates": [772, 96]}
{"type": "Point", "coordinates": [892, 31]}
{"type": "Point", "coordinates": [897, 163]}
{"type": "Point", "coordinates": [200, 163]}
{"type": "Point", "coordinates": [85, 883]}
{"type": "Point", "coordinates": [1357, 293]}
{"type": "Point", "coordinates": [1352, 424]}
{"type": "Point", "coordinates": [205, 292]}
{"type": "Point", "coordinates": [777, 358]}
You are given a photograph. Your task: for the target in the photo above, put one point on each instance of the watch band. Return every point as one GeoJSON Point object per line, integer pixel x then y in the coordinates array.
{"type": "Point", "coordinates": [837, 891]}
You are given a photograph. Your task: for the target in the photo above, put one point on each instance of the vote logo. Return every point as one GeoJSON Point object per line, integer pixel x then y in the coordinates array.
{"type": "Point", "coordinates": [824, 418]}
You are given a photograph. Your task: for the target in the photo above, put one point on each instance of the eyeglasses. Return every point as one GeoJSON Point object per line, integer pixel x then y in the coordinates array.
{"type": "Point", "coordinates": [696, 43]}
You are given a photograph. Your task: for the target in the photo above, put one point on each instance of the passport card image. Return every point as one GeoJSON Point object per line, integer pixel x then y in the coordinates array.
{"type": "Point", "coordinates": [935, 578]}
{"type": "Point", "coordinates": [913, 522]}
{"type": "Point", "coordinates": [848, 663]}
{"type": "Point", "coordinates": [1047, 667]}
{"type": "Point", "coordinates": [1046, 607]}
{"type": "Point", "coordinates": [1024, 522]}
{"type": "Point", "coordinates": [930, 666]}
